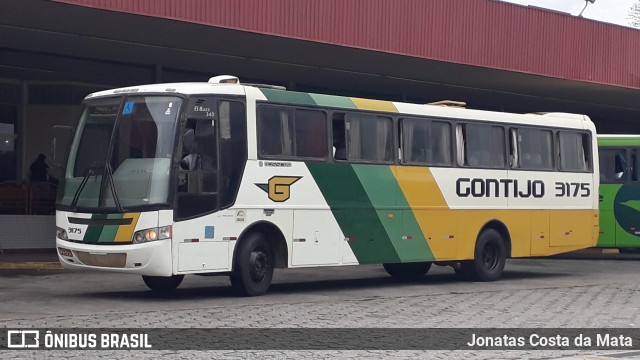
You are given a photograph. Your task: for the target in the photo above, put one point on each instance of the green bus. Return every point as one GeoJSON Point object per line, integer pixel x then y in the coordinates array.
{"type": "Point", "coordinates": [619, 191]}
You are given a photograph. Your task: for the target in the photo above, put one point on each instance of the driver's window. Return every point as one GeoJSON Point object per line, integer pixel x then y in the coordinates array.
{"type": "Point", "coordinates": [199, 151]}
{"type": "Point", "coordinates": [197, 177]}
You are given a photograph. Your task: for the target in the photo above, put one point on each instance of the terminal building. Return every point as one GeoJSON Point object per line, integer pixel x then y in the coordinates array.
{"type": "Point", "coordinates": [490, 54]}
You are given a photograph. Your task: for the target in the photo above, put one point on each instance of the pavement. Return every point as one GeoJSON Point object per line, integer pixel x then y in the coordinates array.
{"type": "Point", "coordinates": [534, 293]}
{"type": "Point", "coordinates": [29, 260]}
{"type": "Point", "coordinates": [48, 259]}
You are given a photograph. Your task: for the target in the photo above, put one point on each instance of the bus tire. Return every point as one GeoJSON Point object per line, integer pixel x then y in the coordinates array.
{"type": "Point", "coordinates": [489, 258]}
{"type": "Point", "coordinates": [408, 271]}
{"type": "Point", "coordinates": [163, 284]}
{"type": "Point", "coordinates": [253, 268]}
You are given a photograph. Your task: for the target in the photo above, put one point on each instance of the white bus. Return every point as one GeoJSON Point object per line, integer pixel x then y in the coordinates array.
{"type": "Point", "coordinates": [166, 180]}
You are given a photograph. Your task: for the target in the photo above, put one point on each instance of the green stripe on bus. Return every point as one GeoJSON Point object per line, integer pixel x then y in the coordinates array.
{"type": "Point", "coordinates": [354, 212]}
{"type": "Point", "coordinates": [394, 212]}
{"type": "Point", "coordinates": [416, 248]}
{"type": "Point", "coordinates": [108, 233]}
{"type": "Point", "coordinates": [333, 101]}
{"type": "Point", "coordinates": [289, 97]}
{"type": "Point", "coordinates": [381, 188]}
{"type": "Point", "coordinates": [93, 231]}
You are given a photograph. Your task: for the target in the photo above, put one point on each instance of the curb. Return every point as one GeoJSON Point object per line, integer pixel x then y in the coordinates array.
{"type": "Point", "coordinates": [30, 265]}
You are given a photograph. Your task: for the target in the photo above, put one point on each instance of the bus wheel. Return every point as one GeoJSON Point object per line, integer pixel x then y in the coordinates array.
{"type": "Point", "coordinates": [408, 271]}
{"type": "Point", "coordinates": [490, 257]}
{"type": "Point", "coordinates": [253, 268]}
{"type": "Point", "coordinates": [163, 283]}
{"type": "Point", "coordinates": [457, 268]}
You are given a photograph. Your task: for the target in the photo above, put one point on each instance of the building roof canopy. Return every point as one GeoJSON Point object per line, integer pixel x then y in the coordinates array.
{"type": "Point", "coordinates": [544, 61]}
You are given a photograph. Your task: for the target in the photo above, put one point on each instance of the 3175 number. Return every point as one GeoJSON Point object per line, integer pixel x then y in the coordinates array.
{"type": "Point", "coordinates": [571, 189]}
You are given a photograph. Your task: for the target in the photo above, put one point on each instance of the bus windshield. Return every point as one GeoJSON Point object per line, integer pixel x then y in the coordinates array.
{"type": "Point", "coordinates": [121, 155]}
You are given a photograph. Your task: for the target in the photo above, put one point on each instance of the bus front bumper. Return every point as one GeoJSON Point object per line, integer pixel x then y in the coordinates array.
{"type": "Point", "coordinates": [151, 258]}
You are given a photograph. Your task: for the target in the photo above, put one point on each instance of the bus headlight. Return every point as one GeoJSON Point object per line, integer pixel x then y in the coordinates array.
{"type": "Point", "coordinates": [61, 233]}
{"type": "Point", "coordinates": [153, 234]}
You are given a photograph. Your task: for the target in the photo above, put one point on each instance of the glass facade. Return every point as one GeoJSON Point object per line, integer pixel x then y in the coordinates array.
{"type": "Point", "coordinates": [30, 112]}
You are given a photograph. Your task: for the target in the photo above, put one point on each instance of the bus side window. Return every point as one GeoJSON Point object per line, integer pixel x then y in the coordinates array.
{"type": "Point", "coordinates": [613, 166]}
{"type": "Point", "coordinates": [197, 177]}
{"type": "Point", "coordinates": [363, 137]}
{"type": "Point", "coordinates": [416, 140]}
{"type": "Point", "coordinates": [289, 132]}
{"type": "Point", "coordinates": [339, 137]}
{"type": "Point", "coordinates": [620, 165]}
{"type": "Point", "coordinates": [310, 134]}
{"type": "Point", "coordinates": [189, 158]}
{"type": "Point", "coordinates": [514, 158]}
{"type": "Point", "coordinates": [276, 128]}
{"type": "Point", "coordinates": [368, 137]}
{"type": "Point", "coordinates": [425, 141]}
{"type": "Point", "coordinates": [233, 149]}
{"type": "Point", "coordinates": [574, 151]}
{"type": "Point", "coordinates": [481, 145]}
{"type": "Point", "coordinates": [532, 149]}
{"type": "Point", "coordinates": [634, 165]}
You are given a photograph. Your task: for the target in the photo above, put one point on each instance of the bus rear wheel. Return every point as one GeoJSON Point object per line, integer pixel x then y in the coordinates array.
{"type": "Point", "coordinates": [408, 271]}
{"type": "Point", "coordinates": [489, 258]}
{"type": "Point", "coordinates": [163, 284]}
{"type": "Point", "coordinates": [253, 268]}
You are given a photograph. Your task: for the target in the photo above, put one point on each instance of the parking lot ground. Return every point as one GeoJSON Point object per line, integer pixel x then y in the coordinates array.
{"type": "Point", "coordinates": [596, 291]}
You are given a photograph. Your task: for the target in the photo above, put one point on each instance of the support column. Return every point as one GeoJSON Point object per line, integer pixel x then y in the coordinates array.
{"type": "Point", "coordinates": [21, 125]}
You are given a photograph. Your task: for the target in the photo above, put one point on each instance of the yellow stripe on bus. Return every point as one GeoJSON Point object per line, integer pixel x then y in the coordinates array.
{"type": "Point", "coordinates": [125, 232]}
{"type": "Point", "coordinates": [375, 105]}
{"type": "Point", "coordinates": [419, 187]}
{"type": "Point", "coordinates": [451, 234]}
{"type": "Point", "coordinates": [429, 209]}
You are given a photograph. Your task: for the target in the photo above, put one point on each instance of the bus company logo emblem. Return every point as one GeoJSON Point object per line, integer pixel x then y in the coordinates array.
{"type": "Point", "coordinates": [279, 187]}
{"type": "Point", "coordinates": [20, 339]}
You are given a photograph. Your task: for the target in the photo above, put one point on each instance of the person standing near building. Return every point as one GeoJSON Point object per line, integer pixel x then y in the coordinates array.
{"type": "Point", "coordinates": [38, 171]}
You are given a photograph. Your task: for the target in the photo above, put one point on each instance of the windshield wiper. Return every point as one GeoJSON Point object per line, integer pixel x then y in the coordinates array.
{"type": "Point", "coordinates": [92, 171]}
{"type": "Point", "coordinates": [112, 186]}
